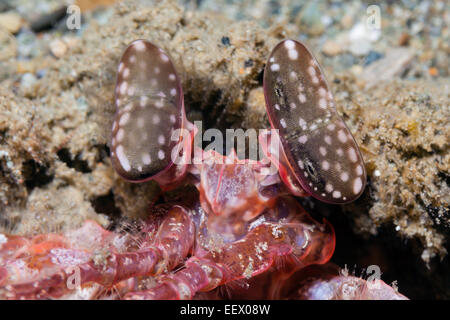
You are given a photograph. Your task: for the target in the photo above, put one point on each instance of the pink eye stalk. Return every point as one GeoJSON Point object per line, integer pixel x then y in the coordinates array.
{"type": "Point", "coordinates": [150, 108]}
{"type": "Point", "coordinates": [318, 150]}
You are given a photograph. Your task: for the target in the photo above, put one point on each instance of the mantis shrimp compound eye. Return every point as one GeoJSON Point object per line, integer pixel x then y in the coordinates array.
{"type": "Point", "coordinates": [149, 101]}
{"type": "Point", "coordinates": [318, 148]}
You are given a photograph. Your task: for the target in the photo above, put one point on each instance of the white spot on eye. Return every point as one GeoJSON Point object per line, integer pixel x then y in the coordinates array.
{"type": "Point", "coordinates": [120, 134]}
{"type": "Point", "coordinates": [120, 66]}
{"type": "Point", "coordinates": [173, 92]}
{"type": "Point", "coordinates": [328, 187]}
{"type": "Point", "coordinates": [126, 72]}
{"type": "Point", "coordinates": [312, 71]}
{"type": "Point", "coordinates": [340, 152]}
{"type": "Point", "coordinates": [161, 154]}
{"type": "Point", "coordinates": [172, 118]}
{"type": "Point", "coordinates": [331, 126]}
{"type": "Point", "coordinates": [143, 101]}
{"type": "Point", "coordinates": [156, 119]}
{"type": "Point", "coordinates": [359, 171]}
{"type": "Point", "coordinates": [172, 77]}
{"type": "Point", "coordinates": [124, 119]}
{"type": "Point", "coordinates": [323, 151]}
{"type": "Point", "coordinates": [303, 139]}
{"type": "Point", "coordinates": [293, 76]}
{"type": "Point", "coordinates": [357, 185]}
{"type": "Point", "coordinates": [301, 164]}
{"type": "Point", "coordinates": [277, 106]}
{"type": "Point", "coordinates": [128, 107]}
{"type": "Point", "coordinates": [272, 59]}
{"type": "Point", "coordinates": [140, 122]}
{"type": "Point", "coordinates": [131, 91]}
{"type": "Point", "coordinates": [289, 44]}
{"type": "Point", "coordinates": [156, 70]}
{"type": "Point", "coordinates": [336, 194]}
{"type": "Point", "coordinates": [139, 45]}
{"type": "Point", "coordinates": [302, 98]}
{"type": "Point", "coordinates": [132, 59]}
{"type": "Point", "coordinates": [325, 165]}
{"type": "Point", "coordinates": [293, 105]}
{"type": "Point", "coordinates": [122, 158]}
{"type": "Point", "coordinates": [146, 158]}
{"type": "Point", "coordinates": [164, 58]}
{"type": "Point", "coordinates": [275, 67]}
{"type": "Point", "coordinates": [323, 194]}
{"type": "Point", "coordinates": [327, 139]}
{"type": "Point", "coordinates": [315, 188]}
{"type": "Point", "coordinates": [323, 103]}
{"type": "Point", "coordinates": [123, 87]}
{"type": "Point", "coordinates": [344, 176]}
{"type": "Point", "coordinates": [293, 54]}
{"type": "Point", "coordinates": [161, 139]}
{"type": "Point", "coordinates": [344, 198]}
{"type": "Point", "coordinates": [302, 123]}
{"type": "Point", "coordinates": [342, 136]}
{"type": "Point", "coordinates": [283, 123]}
{"type": "Point", "coordinates": [322, 92]}
{"type": "Point", "coordinates": [352, 155]}
{"type": "Point", "coordinates": [305, 174]}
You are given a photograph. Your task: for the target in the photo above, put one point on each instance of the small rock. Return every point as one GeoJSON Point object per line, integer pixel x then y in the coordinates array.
{"type": "Point", "coordinates": [58, 48]}
{"type": "Point", "coordinates": [361, 39]}
{"type": "Point", "coordinates": [28, 79]}
{"type": "Point", "coordinates": [372, 57]}
{"type": "Point", "coordinates": [310, 19]}
{"type": "Point", "coordinates": [393, 64]}
{"type": "Point", "coordinates": [356, 70]}
{"type": "Point", "coordinates": [360, 48]}
{"type": "Point", "coordinates": [11, 21]}
{"type": "Point", "coordinates": [347, 21]}
{"type": "Point", "coordinates": [331, 48]}
{"type": "Point", "coordinates": [8, 45]}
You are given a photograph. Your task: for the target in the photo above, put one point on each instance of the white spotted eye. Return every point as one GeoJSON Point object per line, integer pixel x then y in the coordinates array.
{"type": "Point", "coordinates": [149, 107]}
{"type": "Point", "coordinates": [312, 134]}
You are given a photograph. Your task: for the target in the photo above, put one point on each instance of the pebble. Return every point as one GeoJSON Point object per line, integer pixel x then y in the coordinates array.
{"type": "Point", "coordinates": [331, 48]}
{"type": "Point", "coordinates": [372, 56]}
{"type": "Point", "coordinates": [393, 64]}
{"type": "Point", "coordinates": [11, 21]}
{"type": "Point", "coordinates": [58, 48]}
{"type": "Point", "coordinates": [361, 39]}
{"type": "Point", "coordinates": [28, 79]}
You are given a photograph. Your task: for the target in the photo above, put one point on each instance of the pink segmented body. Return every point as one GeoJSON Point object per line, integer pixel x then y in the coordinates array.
{"type": "Point", "coordinates": [242, 222]}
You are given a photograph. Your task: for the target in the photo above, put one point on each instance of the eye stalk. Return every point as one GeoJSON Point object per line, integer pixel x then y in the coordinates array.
{"type": "Point", "coordinates": [150, 129]}
{"type": "Point", "coordinates": [317, 150]}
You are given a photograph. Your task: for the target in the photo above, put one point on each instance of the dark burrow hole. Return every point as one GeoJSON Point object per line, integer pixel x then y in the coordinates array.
{"type": "Point", "coordinates": [76, 163]}
{"type": "Point", "coordinates": [399, 259]}
{"type": "Point", "coordinates": [106, 205]}
{"type": "Point", "coordinates": [36, 174]}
